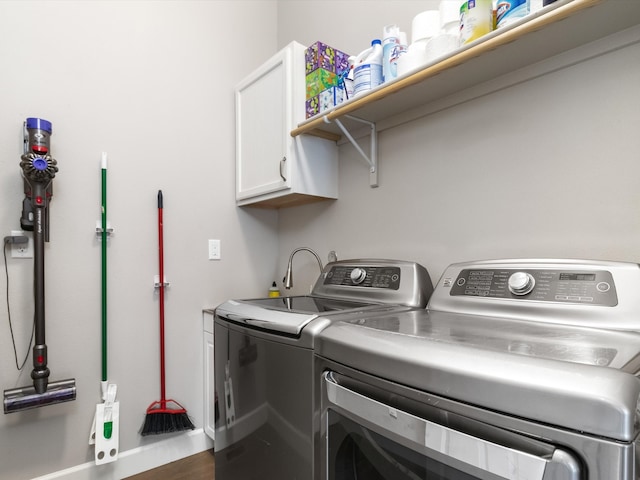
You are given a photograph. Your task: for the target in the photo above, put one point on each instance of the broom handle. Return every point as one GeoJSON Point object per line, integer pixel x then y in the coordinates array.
{"type": "Point", "coordinates": [161, 282]}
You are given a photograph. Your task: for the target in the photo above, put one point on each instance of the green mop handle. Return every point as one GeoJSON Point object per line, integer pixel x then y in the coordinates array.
{"type": "Point", "coordinates": [108, 423]}
{"type": "Point", "coordinates": [104, 267]}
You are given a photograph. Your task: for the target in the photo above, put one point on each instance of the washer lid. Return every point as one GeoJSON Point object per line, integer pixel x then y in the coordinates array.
{"type": "Point", "coordinates": [436, 354]}
{"type": "Point", "coordinates": [286, 322]}
{"type": "Point", "coordinates": [288, 315]}
{"type": "Point", "coordinates": [305, 304]}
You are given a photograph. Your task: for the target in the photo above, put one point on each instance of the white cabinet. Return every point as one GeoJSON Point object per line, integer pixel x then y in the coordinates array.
{"type": "Point", "coordinates": [274, 169]}
{"type": "Point", "coordinates": [209, 384]}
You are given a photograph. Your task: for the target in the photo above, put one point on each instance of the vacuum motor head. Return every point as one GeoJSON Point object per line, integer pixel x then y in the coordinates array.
{"type": "Point", "coordinates": [36, 162]}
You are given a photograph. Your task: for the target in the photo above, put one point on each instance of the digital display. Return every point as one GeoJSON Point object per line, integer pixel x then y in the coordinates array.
{"type": "Point", "coordinates": [584, 277]}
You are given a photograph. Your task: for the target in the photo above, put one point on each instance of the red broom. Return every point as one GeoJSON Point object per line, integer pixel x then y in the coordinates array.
{"type": "Point", "coordinates": [165, 415]}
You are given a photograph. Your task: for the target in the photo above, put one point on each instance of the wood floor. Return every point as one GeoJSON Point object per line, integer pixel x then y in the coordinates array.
{"type": "Point", "coordinates": [196, 467]}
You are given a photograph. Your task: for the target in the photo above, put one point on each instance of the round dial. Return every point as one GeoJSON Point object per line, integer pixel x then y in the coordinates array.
{"type": "Point", "coordinates": [521, 283]}
{"type": "Point", "coordinates": [358, 275]}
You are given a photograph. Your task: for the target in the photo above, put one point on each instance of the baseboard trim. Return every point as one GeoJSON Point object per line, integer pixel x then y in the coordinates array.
{"type": "Point", "coordinates": [140, 459]}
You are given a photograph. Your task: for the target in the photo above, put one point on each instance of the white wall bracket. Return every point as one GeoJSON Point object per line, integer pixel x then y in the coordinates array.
{"type": "Point", "coordinates": [156, 282]}
{"type": "Point", "coordinates": [372, 158]}
{"type": "Point", "coordinates": [99, 230]}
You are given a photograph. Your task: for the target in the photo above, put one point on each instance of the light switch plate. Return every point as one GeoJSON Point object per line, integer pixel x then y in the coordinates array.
{"type": "Point", "coordinates": [214, 249]}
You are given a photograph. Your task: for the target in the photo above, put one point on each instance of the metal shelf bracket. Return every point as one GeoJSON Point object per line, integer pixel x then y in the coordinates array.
{"type": "Point", "coordinates": [372, 158]}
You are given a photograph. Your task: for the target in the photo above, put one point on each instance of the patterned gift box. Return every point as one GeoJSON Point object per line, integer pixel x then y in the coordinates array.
{"type": "Point", "coordinates": [320, 80]}
{"type": "Point", "coordinates": [324, 66]}
{"type": "Point", "coordinates": [330, 98]}
{"type": "Point", "coordinates": [342, 62]}
{"type": "Point", "coordinates": [325, 100]}
{"type": "Point", "coordinates": [312, 107]}
{"type": "Point", "coordinates": [321, 55]}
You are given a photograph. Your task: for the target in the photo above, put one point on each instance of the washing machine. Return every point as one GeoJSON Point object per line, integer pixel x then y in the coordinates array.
{"type": "Point", "coordinates": [264, 363]}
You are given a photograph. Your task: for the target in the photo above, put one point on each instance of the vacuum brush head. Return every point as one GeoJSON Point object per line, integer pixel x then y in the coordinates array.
{"type": "Point", "coordinates": [25, 398]}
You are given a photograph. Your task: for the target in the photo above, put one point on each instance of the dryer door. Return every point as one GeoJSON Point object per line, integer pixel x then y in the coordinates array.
{"type": "Point", "coordinates": [373, 440]}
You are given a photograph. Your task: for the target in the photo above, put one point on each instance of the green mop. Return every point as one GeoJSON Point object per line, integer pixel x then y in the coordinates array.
{"type": "Point", "coordinates": [104, 432]}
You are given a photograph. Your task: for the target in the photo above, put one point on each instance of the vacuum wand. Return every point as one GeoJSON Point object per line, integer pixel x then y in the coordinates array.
{"type": "Point", "coordinates": [38, 171]}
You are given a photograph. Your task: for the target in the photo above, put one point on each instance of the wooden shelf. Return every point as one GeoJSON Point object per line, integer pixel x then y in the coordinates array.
{"type": "Point", "coordinates": [560, 27]}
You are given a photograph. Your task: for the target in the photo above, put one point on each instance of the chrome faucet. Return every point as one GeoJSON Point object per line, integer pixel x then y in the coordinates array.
{"type": "Point", "coordinates": [288, 278]}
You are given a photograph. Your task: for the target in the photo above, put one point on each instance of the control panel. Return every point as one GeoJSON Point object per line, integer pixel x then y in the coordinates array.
{"type": "Point", "coordinates": [582, 287]}
{"type": "Point", "coordinates": [387, 277]}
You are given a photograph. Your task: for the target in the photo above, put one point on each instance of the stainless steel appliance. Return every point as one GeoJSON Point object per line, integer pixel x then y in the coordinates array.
{"type": "Point", "coordinates": [518, 369]}
{"type": "Point", "coordinates": [264, 363]}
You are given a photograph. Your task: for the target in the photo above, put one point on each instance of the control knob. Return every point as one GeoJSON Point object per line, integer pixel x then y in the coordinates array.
{"type": "Point", "coordinates": [521, 283]}
{"type": "Point", "coordinates": [358, 275]}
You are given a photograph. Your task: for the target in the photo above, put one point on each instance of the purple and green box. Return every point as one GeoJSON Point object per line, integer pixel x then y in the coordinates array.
{"type": "Point", "coordinates": [321, 55]}
{"type": "Point", "coordinates": [325, 100]}
{"type": "Point", "coordinates": [319, 80]}
{"type": "Point", "coordinates": [324, 66]}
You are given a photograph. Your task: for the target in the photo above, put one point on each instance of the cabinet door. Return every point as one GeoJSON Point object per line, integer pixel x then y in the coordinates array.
{"type": "Point", "coordinates": [263, 123]}
{"type": "Point", "coordinates": [209, 382]}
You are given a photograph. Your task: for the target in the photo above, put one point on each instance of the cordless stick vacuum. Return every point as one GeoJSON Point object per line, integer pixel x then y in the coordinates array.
{"type": "Point", "coordinates": [38, 170]}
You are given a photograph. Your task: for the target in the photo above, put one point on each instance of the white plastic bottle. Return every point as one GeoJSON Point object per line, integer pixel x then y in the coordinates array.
{"type": "Point", "coordinates": [476, 19]}
{"type": "Point", "coordinates": [390, 38]}
{"type": "Point", "coordinates": [349, 79]}
{"type": "Point", "coordinates": [368, 68]}
{"type": "Point", "coordinates": [509, 11]}
{"type": "Point", "coordinates": [394, 45]}
{"type": "Point", "coordinates": [397, 51]}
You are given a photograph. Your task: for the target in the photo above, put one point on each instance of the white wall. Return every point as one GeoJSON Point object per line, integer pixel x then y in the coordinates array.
{"type": "Point", "coordinates": [547, 167]}
{"type": "Point", "coordinates": [151, 83]}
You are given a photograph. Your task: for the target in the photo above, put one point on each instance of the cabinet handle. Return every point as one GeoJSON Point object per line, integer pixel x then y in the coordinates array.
{"type": "Point", "coordinates": [284, 159]}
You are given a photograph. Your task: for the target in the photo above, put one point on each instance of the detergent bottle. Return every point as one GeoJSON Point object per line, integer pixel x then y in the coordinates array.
{"type": "Point", "coordinates": [368, 68]}
{"type": "Point", "coordinates": [476, 19]}
{"type": "Point", "coordinates": [390, 38]}
{"type": "Point", "coordinates": [509, 11]}
{"type": "Point", "coordinates": [273, 291]}
{"type": "Point", "coordinates": [394, 45]}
